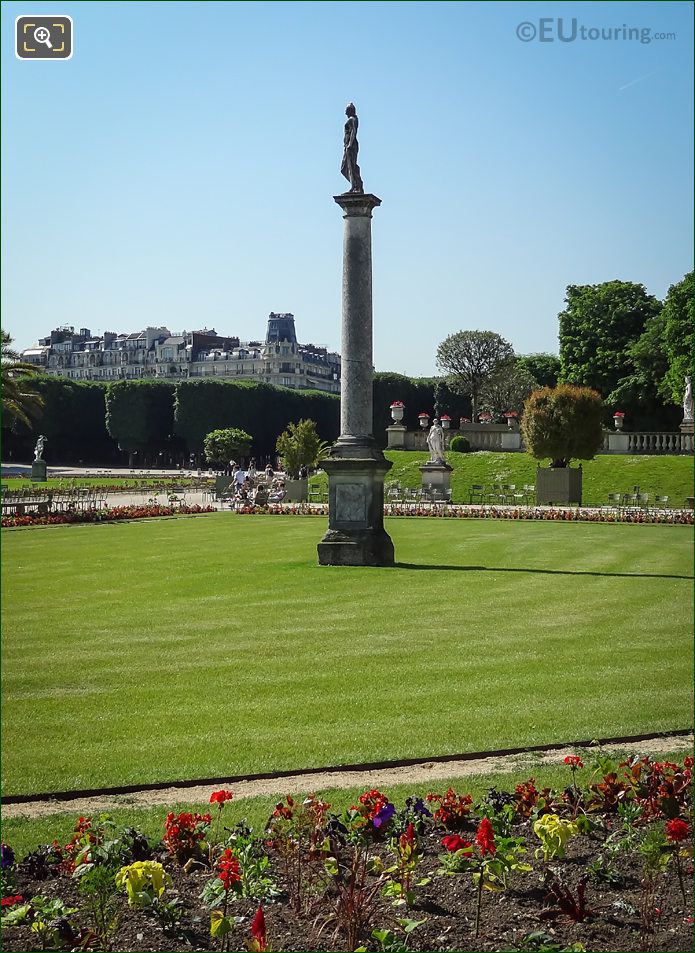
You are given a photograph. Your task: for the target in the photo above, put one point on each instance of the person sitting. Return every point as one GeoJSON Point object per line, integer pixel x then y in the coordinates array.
{"type": "Point", "coordinates": [260, 497]}
{"type": "Point", "coordinates": [277, 494]}
{"type": "Point", "coordinates": [269, 472]}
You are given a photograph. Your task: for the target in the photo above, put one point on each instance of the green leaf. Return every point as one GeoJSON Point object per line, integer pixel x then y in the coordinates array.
{"type": "Point", "coordinates": [220, 925]}
{"type": "Point", "coordinates": [410, 925]}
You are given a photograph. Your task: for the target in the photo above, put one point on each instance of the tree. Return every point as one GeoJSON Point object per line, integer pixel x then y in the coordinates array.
{"type": "Point", "coordinates": [563, 423]}
{"type": "Point", "coordinates": [469, 357]}
{"type": "Point", "coordinates": [221, 446]}
{"type": "Point", "coordinates": [543, 367]}
{"type": "Point", "coordinates": [140, 414]}
{"type": "Point", "coordinates": [20, 401]}
{"type": "Point", "coordinates": [678, 339]}
{"type": "Point", "coordinates": [597, 328]}
{"type": "Point", "coordinates": [506, 389]}
{"type": "Point", "coordinates": [300, 446]}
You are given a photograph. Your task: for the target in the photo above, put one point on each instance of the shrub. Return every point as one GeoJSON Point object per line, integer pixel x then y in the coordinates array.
{"type": "Point", "coordinates": [563, 423]}
{"type": "Point", "coordinates": [221, 446]}
{"type": "Point", "coordinates": [300, 446]}
{"type": "Point", "coordinates": [460, 444]}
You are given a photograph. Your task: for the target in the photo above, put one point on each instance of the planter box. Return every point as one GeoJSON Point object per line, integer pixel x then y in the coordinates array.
{"type": "Point", "coordinates": [296, 491]}
{"type": "Point", "coordinates": [558, 486]}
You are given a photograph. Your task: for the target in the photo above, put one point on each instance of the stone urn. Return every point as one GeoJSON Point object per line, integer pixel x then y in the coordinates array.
{"type": "Point", "coordinates": [618, 420]}
{"type": "Point", "coordinates": [424, 420]}
{"type": "Point", "coordinates": [397, 410]}
{"type": "Point", "coordinates": [445, 421]}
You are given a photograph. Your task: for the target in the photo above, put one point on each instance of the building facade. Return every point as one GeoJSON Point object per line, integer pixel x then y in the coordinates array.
{"type": "Point", "coordinates": [156, 352]}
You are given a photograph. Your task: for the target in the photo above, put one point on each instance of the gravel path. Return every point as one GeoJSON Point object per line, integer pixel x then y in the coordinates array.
{"type": "Point", "coordinates": [425, 771]}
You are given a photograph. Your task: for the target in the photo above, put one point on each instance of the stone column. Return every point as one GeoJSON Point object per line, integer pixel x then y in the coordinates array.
{"type": "Point", "coordinates": [356, 467]}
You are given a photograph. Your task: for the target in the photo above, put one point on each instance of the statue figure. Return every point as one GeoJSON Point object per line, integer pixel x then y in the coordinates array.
{"type": "Point", "coordinates": [40, 444]}
{"type": "Point", "coordinates": [349, 168]}
{"type": "Point", "coordinates": [688, 400]}
{"type": "Point", "coordinates": [435, 442]}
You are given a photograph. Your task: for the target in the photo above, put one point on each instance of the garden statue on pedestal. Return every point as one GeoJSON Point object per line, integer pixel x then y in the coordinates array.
{"type": "Point", "coordinates": [435, 442]}
{"type": "Point", "coordinates": [38, 467]}
{"type": "Point", "coordinates": [688, 400]}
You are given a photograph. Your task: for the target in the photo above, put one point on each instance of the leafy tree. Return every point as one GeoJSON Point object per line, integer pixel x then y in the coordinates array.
{"type": "Point", "coordinates": [563, 423]}
{"type": "Point", "coordinates": [300, 446]}
{"type": "Point", "coordinates": [597, 328]}
{"type": "Point", "coordinates": [140, 414]}
{"type": "Point", "coordinates": [469, 357]}
{"type": "Point", "coordinates": [506, 388]}
{"type": "Point", "coordinates": [678, 338]}
{"type": "Point", "coordinates": [73, 421]}
{"type": "Point", "coordinates": [260, 409]}
{"type": "Point", "coordinates": [543, 367]}
{"type": "Point", "coordinates": [638, 394]}
{"type": "Point", "coordinates": [221, 446]}
{"type": "Point", "coordinates": [20, 400]}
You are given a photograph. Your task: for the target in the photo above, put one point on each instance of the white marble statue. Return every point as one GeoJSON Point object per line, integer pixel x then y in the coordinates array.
{"type": "Point", "coordinates": [435, 442]}
{"type": "Point", "coordinates": [688, 400]}
{"type": "Point", "coordinates": [38, 450]}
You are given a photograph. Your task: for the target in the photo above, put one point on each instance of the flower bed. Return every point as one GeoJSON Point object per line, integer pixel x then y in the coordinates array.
{"type": "Point", "coordinates": [602, 867]}
{"type": "Point", "coordinates": [457, 511]}
{"type": "Point", "coordinates": [106, 515]}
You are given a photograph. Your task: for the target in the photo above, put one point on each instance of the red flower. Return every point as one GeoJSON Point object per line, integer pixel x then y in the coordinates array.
{"type": "Point", "coordinates": [258, 930]}
{"type": "Point", "coordinates": [485, 838]}
{"type": "Point", "coordinates": [219, 797]}
{"type": "Point", "coordinates": [574, 761]}
{"type": "Point", "coordinates": [229, 870]}
{"type": "Point", "coordinates": [11, 901]}
{"type": "Point", "coordinates": [453, 842]}
{"type": "Point", "coordinates": [677, 830]}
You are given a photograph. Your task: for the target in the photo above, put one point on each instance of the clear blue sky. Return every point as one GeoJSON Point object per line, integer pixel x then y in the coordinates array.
{"type": "Point", "coordinates": [180, 168]}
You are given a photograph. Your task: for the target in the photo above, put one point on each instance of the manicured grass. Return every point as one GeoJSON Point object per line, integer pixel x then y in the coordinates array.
{"type": "Point", "coordinates": [216, 645]}
{"type": "Point", "coordinates": [25, 834]}
{"type": "Point", "coordinates": [657, 475]}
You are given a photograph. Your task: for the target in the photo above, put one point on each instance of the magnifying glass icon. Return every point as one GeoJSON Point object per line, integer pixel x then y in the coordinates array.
{"type": "Point", "coordinates": [43, 35]}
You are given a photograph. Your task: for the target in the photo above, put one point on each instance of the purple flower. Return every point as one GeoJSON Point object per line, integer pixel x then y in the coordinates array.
{"type": "Point", "coordinates": [6, 856]}
{"type": "Point", "coordinates": [384, 815]}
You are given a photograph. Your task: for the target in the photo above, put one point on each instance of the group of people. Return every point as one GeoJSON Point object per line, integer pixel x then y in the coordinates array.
{"type": "Point", "coordinates": [260, 489]}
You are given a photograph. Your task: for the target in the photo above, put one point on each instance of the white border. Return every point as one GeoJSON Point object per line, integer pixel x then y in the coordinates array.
{"type": "Point", "coordinates": [46, 59]}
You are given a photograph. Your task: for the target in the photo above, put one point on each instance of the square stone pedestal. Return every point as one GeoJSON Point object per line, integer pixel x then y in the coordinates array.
{"type": "Point", "coordinates": [618, 442]}
{"type": "Point", "coordinates": [396, 436]}
{"type": "Point", "coordinates": [436, 475]}
{"type": "Point", "coordinates": [356, 534]}
{"type": "Point", "coordinates": [38, 471]}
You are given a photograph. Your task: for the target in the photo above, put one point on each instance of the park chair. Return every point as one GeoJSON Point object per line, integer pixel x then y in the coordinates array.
{"type": "Point", "coordinates": [315, 495]}
{"type": "Point", "coordinates": [507, 493]}
{"type": "Point", "coordinates": [643, 501]}
{"type": "Point", "coordinates": [661, 501]}
{"type": "Point", "coordinates": [529, 493]}
{"type": "Point", "coordinates": [476, 493]}
{"type": "Point", "coordinates": [494, 493]}
{"type": "Point", "coordinates": [615, 499]}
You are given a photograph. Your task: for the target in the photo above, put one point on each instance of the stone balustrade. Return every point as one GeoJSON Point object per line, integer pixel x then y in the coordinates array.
{"type": "Point", "coordinates": [501, 438]}
{"type": "Point", "coordinates": [648, 442]}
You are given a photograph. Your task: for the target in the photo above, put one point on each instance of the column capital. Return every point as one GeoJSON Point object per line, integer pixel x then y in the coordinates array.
{"type": "Point", "coordinates": [357, 203]}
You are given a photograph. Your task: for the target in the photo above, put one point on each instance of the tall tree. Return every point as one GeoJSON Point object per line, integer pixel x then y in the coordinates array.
{"type": "Point", "coordinates": [506, 389]}
{"type": "Point", "coordinates": [20, 401]}
{"type": "Point", "coordinates": [140, 414]}
{"type": "Point", "coordinates": [678, 338]}
{"type": "Point", "coordinates": [468, 358]}
{"type": "Point", "coordinates": [597, 328]}
{"type": "Point", "coordinates": [543, 367]}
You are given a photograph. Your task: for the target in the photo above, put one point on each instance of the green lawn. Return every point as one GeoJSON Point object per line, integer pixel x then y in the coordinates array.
{"type": "Point", "coordinates": [216, 645]}
{"type": "Point", "coordinates": [658, 475]}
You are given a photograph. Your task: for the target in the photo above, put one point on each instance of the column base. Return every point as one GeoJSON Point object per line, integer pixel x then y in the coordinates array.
{"type": "Point", "coordinates": [356, 534]}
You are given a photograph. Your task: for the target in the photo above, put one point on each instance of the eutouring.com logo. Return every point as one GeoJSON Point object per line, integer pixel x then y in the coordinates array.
{"type": "Point", "coordinates": [560, 30]}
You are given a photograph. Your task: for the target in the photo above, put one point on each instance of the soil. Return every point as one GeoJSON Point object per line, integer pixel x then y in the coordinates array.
{"type": "Point", "coordinates": [424, 772]}
{"type": "Point", "coordinates": [447, 904]}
